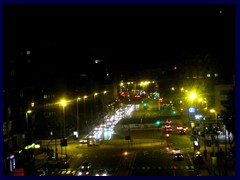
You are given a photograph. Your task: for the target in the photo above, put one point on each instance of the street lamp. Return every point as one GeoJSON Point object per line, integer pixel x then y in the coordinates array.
{"type": "Point", "coordinates": [28, 112]}
{"type": "Point", "coordinates": [78, 99]}
{"type": "Point", "coordinates": [63, 103]}
{"type": "Point", "coordinates": [192, 96]}
{"type": "Point", "coordinates": [215, 113]}
{"type": "Point", "coordinates": [84, 111]}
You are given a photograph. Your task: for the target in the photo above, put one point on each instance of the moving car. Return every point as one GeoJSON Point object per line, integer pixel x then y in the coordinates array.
{"type": "Point", "coordinates": [178, 157]}
{"type": "Point", "coordinates": [85, 169]}
{"type": "Point", "coordinates": [101, 172]}
{"type": "Point", "coordinates": [83, 172]}
{"type": "Point", "coordinates": [86, 165]}
{"type": "Point", "coordinates": [176, 151]}
{"type": "Point", "coordinates": [83, 140]}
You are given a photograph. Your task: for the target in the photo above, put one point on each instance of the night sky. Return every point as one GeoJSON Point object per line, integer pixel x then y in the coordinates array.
{"type": "Point", "coordinates": [133, 37]}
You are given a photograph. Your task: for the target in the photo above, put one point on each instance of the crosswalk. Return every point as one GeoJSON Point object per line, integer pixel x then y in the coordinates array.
{"type": "Point", "coordinates": [66, 172]}
{"type": "Point", "coordinates": [163, 167]}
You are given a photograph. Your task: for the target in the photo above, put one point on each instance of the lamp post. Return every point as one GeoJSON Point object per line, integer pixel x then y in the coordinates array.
{"type": "Point", "coordinates": [78, 118]}
{"type": "Point", "coordinates": [27, 135]}
{"type": "Point", "coordinates": [63, 103]}
{"type": "Point", "coordinates": [94, 107]}
{"type": "Point", "coordinates": [215, 119]}
{"type": "Point", "coordinates": [84, 111]}
{"type": "Point", "coordinates": [28, 112]}
{"type": "Point", "coordinates": [192, 97]}
{"type": "Point", "coordinates": [191, 110]}
{"type": "Point", "coordinates": [215, 114]}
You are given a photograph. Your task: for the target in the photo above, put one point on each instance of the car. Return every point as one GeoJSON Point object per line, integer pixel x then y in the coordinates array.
{"type": "Point", "coordinates": [168, 130]}
{"type": "Point", "coordinates": [86, 165]}
{"type": "Point", "coordinates": [101, 172]}
{"type": "Point", "coordinates": [83, 172]}
{"type": "Point", "coordinates": [83, 140]}
{"type": "Point", "coordinates": [176, 151]}
{"type": "Point", "coordinates": [178, 156]}
{"type": "Point", "coordinates": [179, 127]}
{"type": "Point", "coordinates": [182, 132]}
{"type": "Point", "coordinates": [185, 128]}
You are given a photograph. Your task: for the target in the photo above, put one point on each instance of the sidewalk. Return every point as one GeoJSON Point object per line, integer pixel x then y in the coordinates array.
{"type": "Point", "coordinates": [214, 166]}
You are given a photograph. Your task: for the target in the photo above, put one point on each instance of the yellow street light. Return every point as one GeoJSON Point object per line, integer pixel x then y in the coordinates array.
{"type": "Point", "coordinates": [78, 99]}
{"type": "Point", "coordinates": [28, 112]}
{"type": "Point", "coordinates": [215, 113]}
{"type": "Point", "coordinates": [192, 96]}
{"type": "Point", "coordinates": [63, 102]}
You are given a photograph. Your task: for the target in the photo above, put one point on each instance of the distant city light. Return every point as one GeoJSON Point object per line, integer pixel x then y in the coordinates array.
{"type": "Point", "coordinates": [98, 61]}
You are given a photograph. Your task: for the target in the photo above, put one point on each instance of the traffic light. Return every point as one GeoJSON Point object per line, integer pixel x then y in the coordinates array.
{"type": "Point", "coordinates": [158, 122]}
{"type": "Point", "coordinates": [145, 106]}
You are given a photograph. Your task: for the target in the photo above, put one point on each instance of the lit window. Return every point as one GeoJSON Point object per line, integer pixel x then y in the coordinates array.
{"type": "Point", "coordinates": [98, 61]}
{"type": "Point", "coordinates": [208, 75]}
{"type": "Point", "coordinates": [216, 74]}
{"type": "Point", "coordinates": [28, 52]}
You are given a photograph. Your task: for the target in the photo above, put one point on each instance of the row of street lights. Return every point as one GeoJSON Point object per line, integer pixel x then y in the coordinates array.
{"type": "Point", "coordinates": [64, 103]}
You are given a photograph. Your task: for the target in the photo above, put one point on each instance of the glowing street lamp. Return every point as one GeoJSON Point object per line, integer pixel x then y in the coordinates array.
{"type": "Point", "coordinates": [78, 99]}
{"type": "Point", "coordinates": [63, 103]}
{"type": "Point", "coordinates": [28, 112]}
{"type": "Point", "coordinates": [215, 113]}
{"type": "Point", "coordinates": [192, 96]}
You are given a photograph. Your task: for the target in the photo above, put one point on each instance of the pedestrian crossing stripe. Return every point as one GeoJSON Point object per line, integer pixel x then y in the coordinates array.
{"type": "Point", "coordinates": [163, 167]}
{"type": "Point", "coordinates": [67, 172]}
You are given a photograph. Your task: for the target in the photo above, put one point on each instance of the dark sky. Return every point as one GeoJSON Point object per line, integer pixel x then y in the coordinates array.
{"type": "Point", "coordinates": [135, 36]}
